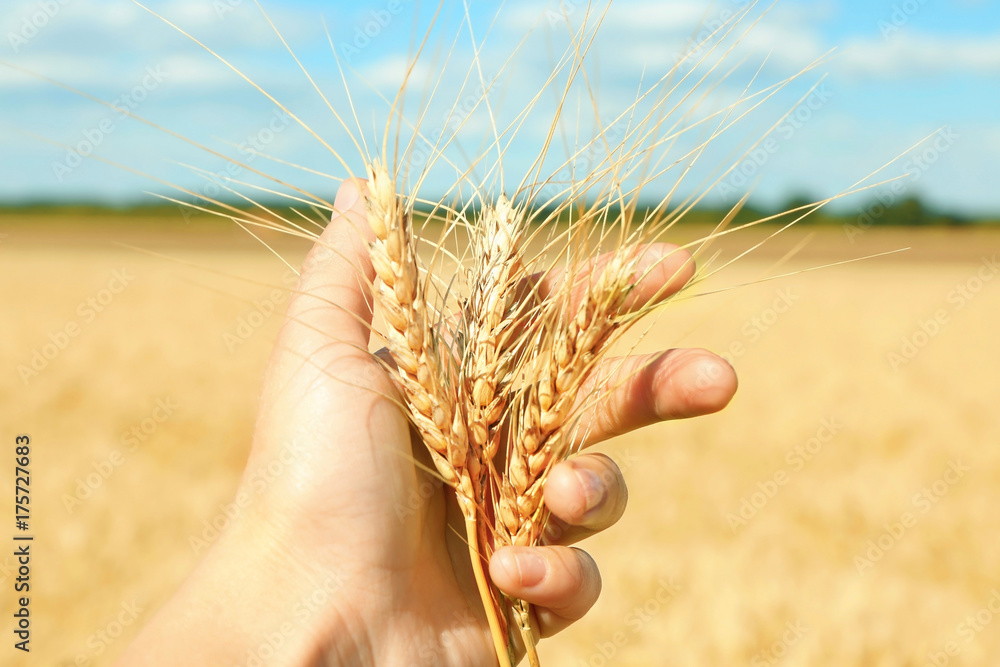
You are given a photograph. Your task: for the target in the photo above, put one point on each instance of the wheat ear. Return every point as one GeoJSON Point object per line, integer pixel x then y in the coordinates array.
{"type": "Point", "coordinates": [413, 343]}
{"type": "Point", "coordinates": [490, 319]}
{"type": "Point", "coordinates": [491, 316]}
{"type": "Point", "coordinates": [569, 350]}
{"type": "Point", "coordinates": [421, 359]}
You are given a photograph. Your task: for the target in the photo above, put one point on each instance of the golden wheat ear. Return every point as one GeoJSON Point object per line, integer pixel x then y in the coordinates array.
{"type": "Point", "coordinates": [429, 373]}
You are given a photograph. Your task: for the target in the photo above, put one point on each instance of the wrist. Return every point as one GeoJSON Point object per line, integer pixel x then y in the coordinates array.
{"type": "Point", "coordinates": [251, 602]}
{"type": "Point", "coordinates": [288, 611]}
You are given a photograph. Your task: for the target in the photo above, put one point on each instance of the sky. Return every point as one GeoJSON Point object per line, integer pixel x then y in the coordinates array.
{"type": "Point", "coordinates": [803, 98]}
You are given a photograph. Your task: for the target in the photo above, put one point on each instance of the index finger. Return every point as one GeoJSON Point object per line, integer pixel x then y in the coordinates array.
{"type": "Point", "coordinates": [662, 270]}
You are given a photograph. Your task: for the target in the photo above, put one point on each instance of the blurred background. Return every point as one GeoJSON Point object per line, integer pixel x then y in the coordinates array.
{"type": "Point", "coordinates": [840, 512]}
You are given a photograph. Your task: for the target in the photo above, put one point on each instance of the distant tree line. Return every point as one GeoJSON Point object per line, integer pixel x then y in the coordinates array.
{"type": "Point", "coordinates": [907, 211]}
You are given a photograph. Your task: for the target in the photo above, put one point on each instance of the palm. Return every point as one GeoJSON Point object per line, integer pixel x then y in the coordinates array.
{"type": "Point", "coordinates": [382, 522]}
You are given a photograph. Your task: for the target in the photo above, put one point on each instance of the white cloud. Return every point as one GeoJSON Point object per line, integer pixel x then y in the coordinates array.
{"type": "Point", "coordinates": [789, 47]}
{"type": "Point", "coordinates": [913, 54]}
{"type": "Point", "coordinates": [93, 73]}
{"type": "Point", "coordinates": [991, 138]}
{"type": "Point", "coordinates": [77, 71]}
{"type": "Point", "coordinates": [673, 16]}
{"type": "Point", "coordinates": [643, 34]}
{"type": "Point", "coordinates": [643, 38]}
{"type": "Point", "coordinates": [120, 28]}
{"type": "Point", "coordinates": [103, 46]}
{"type": "Point", "coordinates": [389, 72]}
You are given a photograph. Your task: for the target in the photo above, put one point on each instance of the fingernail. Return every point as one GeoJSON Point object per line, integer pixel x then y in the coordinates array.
{"type": "Point", "coordinates": [523, 566]}
{"type": "Point", "coordinates": [649, 258]}
{"type": "Point", "coordinates": [554, 529]}
{"type": "Point", "coordinates": [594, 491]}
{"type": "Point", "coordinates": [347, 196]}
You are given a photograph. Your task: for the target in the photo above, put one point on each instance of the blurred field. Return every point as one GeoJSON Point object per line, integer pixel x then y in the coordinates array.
{"type": "Point", "coordinates": [831, 445]}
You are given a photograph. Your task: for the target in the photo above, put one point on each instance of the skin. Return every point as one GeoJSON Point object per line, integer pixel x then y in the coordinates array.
{"type": "Point", "coordinates": [352, 554]}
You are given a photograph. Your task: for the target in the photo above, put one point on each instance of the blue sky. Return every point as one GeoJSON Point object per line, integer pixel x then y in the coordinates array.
{"type": "Point", "coordinates": [901, 71]}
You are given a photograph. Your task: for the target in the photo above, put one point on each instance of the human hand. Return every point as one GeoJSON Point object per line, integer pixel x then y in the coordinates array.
{"type": "Point", "coordinates": [353, 554]}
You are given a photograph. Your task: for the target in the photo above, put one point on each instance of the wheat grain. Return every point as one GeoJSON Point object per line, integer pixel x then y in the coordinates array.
{"type": "Point", "coordinates": [415, 347]}
{"type": "Point", "coordinates": [568, 350]}
{"type": "Point", "coordinates": [491, 323]}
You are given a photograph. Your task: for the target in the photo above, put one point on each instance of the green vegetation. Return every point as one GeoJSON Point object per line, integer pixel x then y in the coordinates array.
{"type": "Point", "coordinates": [906, 212]}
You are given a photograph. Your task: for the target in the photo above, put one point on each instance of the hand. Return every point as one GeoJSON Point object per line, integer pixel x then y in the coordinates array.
{"type": "Point", "coordinates": [347, 552]}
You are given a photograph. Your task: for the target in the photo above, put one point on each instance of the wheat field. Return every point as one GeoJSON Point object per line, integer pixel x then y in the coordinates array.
{"type": "Point", "coordinates": [842, 511]}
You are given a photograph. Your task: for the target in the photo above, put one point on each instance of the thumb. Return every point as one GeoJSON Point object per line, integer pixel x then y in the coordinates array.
{"type": "Point", "coordinates": [333, 295]}
{"type": "Point", "coordinates": [323, 397]}
{"type": "Point", "coordinates": [330, 311]}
